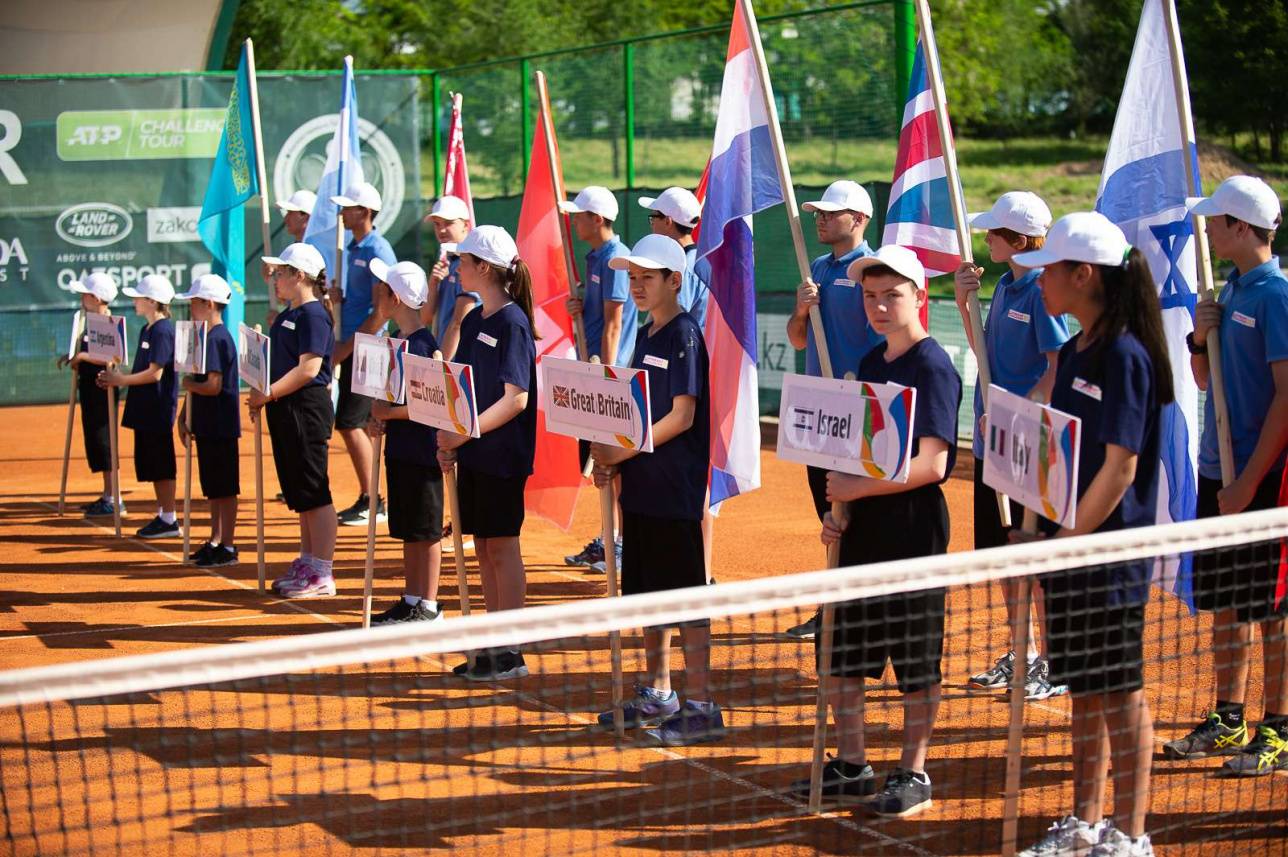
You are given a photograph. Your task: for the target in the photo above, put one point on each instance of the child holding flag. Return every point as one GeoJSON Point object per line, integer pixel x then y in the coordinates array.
{"type": "Point", "coordinates": [893, 520]}
{"type": "Point", "coordinates": [411, 459]}
{"type": "Point", "coordinates": [498, 342]}
{"type": "Point", "coordinates": [1022, 341]}
{"type": "Point", "coordinates": [449, 304]}
{"type": "Point", "coordinates": [1115, 376]}
{"type": "Point", "coordinates": [216, 421]}
{"type": "Point", "coordinates": [674, 213]}
{"type": "Point", "coordinates": [150, 406]}
{"type": "Point", "coordinates": [662, 539]}
{"type": "Point", "coordinates": [298, 409]}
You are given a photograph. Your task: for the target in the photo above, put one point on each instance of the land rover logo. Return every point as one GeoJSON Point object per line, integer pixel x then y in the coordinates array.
{"type": "Point", "coordinates": [94, 224]}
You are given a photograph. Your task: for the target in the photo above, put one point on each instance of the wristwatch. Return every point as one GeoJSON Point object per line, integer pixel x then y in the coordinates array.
{"type": "Point", "coordinates": [1193, 346]}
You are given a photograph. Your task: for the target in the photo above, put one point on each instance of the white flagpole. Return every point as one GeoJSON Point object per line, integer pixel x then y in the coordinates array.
{"type": "Point", "coordinates": [265, 213]}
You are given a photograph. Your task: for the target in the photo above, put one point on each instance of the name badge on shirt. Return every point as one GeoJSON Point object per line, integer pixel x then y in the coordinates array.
{"type": "Point", "coordinates": [1245, 320]}
{"type": "Point", "coordinates": [487, 340]}
{"type": "Point", "coordinates": [361, 263]}
{"type": "Point", "coordinates": [289, 325]}
{"type": "Point", "coordinates": [594, 278]}
{"type": "Point", "coordinates": [1018, 316]}
{"type": "Point", "coordinates": [843, 281]}
{"type": "Point", "coordinates": [654, 360]}
{"type": "Point", "coordinates": [145, 344]}
{"type": "Point", "coordinates": [1086, 388]}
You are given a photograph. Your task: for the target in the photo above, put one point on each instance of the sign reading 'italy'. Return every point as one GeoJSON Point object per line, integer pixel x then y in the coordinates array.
{"type": "Point", "coordinates": [1031, 455]}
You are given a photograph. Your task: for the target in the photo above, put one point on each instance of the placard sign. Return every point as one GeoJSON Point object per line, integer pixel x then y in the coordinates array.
{"type": "Point", "coordinates": [441, 395]}
{"type": "Point", "coordinates": [78, 325]}
{"type": "Point", "coordinates": [190, 347]}
{"type": "Point", "coordinates": [106, 338]}
{"type": "Point", "coordinates": [598, 403]}
{"type": "Point", "coordinates": [848, 426]}
{"type": "Point", "coordinates": [252, 358]}
{"type": "Point", "coordinates": [1031, 454]}
{"type": "Point", "coordinates": [378, 367]}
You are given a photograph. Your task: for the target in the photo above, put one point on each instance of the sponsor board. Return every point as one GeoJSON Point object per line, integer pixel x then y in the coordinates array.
{"type": "Point", "coordinates": [190, 347]}
{"type": "Point", "coordinates": [10, 136]}
{"type": "Point", "coordinates": [598, 403]}
{"type": "Point", "coordinates": [1031, 455]}
{"type": "Point", "coordinates": [128, 135]}
{"type": "Point", "coordinates": [441, 395]}
{"type": "Point", "coordinates": [775, 356]}
{"type": "Point", "coordinates": [849, 426]}
{"type": "Point", "coordinates": [94, 224]}
{"type": "Point", "coordinates": [252, 358]}
{"type": "Point", "coordinates": [106, 338]}
{"type": "Point", "coordinates": [13, 260]}
{"type": "Point", "coordinates": [173, 225]}
{"type": "Point", "coordinates": [378, 367]}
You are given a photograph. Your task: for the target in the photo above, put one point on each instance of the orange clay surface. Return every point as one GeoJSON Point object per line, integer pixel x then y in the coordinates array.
{"type": "Point", "coordinates": [400, 756]}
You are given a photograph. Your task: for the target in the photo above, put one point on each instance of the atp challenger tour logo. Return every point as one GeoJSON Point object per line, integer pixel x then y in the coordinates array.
{"type": "Point", "coordinates": [94, 224]}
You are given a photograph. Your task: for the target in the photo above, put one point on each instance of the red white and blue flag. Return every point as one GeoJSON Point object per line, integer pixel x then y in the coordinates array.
{"type": "Point", "coordinates": [920, 216]}
{"type": "Point", "coordinates": [742, 180]}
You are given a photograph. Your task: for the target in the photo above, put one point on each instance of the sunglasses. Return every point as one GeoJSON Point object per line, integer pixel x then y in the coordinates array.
{"type": "Point", "coordinates": [656, 215]}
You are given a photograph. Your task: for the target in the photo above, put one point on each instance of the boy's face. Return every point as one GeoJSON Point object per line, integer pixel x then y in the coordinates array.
{"type": "Point", "coordinates": [587, 225]}
{"type": "Point", "coordinates": [891, 302]}
{"type": "Point", "coordinates": [383, 298]}
{"type": "Point", "coordinates": [649, 290]}
{"type": "Point", "coordinates": [354, 216]}
{"type": "Point", "coordinates": [296, 222]}
{"type": "Point", "coordinates": [1229, 236]}
{"type": "Point", "coordinates": [449, 231]}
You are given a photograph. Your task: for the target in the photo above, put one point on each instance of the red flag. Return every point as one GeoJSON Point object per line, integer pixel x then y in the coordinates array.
{"type": "Point", "coordinates": [556, 477]}
{"type": "Point", "coordinates": [456, 178]}
{"type": "Point", "coordinates": [1281, 587]}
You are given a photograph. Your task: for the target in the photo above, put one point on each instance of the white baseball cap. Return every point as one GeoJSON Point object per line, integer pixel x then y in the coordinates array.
{"type": "Point", "coordinates": [362, 194]}
{"type": "Point", "coordinates": [300, 256]}
{"type": "Point", "coordinates": [1083, 236]}
{"type": "Point", "coordinates": [154, 286]}
{"type": "Point", "coordinates": [301, 200]}
{"type": "Point", "coordinates": [596, 200]}
{"type": "Point", "coordinates": [492, 244]}
{"type": "Point", "coordinates": [655, 252]}
{"type": "Point", "coordinates": [901, 260]}
{"type": "Point", "coordinates": [449, 208]}
{"type": "Point", "coordinates": [407, 280]}
{"type": "Point", "coordinates": [843, 195]}
{"type": "Point", "coordinates": [1018, 211]}
{"type": "Point", "coordinates": [676, 203]}
{"type": "Point", "coordinates": [98, 284]}
{"type": "Point", "coordinates": [1243, 197]}
{"type": "Point", "coordinates": [210, 287]}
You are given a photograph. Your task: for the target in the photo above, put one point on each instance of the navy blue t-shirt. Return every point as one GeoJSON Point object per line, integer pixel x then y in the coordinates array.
{"type": "Point", "coordinates": [501, 350]}
{"type": "Point", "coordinates": [305, 329]}
{"type": "Point", "coordinates": [1117, 405]}
{"type": "Point", "coordinates": [927, 368]}
{"type": "Point", "coordinates": [671, 481]}
{"type": "Point", "coordinates": [218, 416]}
{"type": "Point", "coordinates": [406, 440]}
{"type": "Point", "coordinates": [151, 407]}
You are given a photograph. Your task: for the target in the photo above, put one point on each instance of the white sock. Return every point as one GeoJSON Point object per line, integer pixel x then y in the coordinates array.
{"type": "Point", "coordinates": [430, 604]}
{"type": "Point", "coordinates": [412, 600]}
{"type": "Point", "coordinates": [322, 566]}
{"type": "Point", "coordinates": [306, 558]}
{"type": "Point", "coordinates": [168, 517]}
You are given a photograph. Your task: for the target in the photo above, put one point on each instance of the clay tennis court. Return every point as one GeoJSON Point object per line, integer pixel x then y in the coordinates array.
{"type": "Point", "coordinates": [394, 756]}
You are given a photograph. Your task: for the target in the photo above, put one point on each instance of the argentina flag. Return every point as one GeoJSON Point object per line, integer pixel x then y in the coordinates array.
{"type": "Point", "coordinates": [343, 170]}
{"type": "Point", "coordinates": [1143, 189]}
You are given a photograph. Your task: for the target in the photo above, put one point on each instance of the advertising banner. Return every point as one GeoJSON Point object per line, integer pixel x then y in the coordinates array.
{"type": "Point", "coordinates": [1031, 455]}
{"type": "Point", "coordinates": [847, 426]}
{"type": "Point", "coordinates": [598, 403]}
{"type": "Point", "coordinates": [441, 395]}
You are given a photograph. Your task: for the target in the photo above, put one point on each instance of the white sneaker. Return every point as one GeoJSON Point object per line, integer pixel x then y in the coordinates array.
{"type": "Point", "coordinates": [1115, 843]}
{"type": "Point", "coordinates": [296, 570]}
{"type": "Point", "coordinates": [1068, 837]}
{"type": "Point", "coordinates": [314, 584]}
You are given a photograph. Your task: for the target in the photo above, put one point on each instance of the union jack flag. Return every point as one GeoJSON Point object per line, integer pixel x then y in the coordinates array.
{"type": "Point", "coordinates": [561, 397]}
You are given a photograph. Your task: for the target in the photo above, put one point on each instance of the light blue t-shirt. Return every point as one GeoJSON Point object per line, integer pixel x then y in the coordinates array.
{"type": "Point", "coordinates": [357, 289]}
{"type": "Point", "coordinates": [694, 293]}
{"type": "Point", "coordinates": [449, 290]}
{"type": "Point", "coordinates": [1018, 334]}
{"type": "Point", "coordinates": [1254, 334]}
{"type": "Point", "coordinates": [845, 322]}
{"type": "Point", "coordinates": [605, 284]}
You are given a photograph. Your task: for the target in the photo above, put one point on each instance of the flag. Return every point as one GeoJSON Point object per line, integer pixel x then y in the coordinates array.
{"type": "Point", "coordinates": [552, 488]}
{"type": "Point", "coordinates": [1143, 190]}
{"type": "Point", "coordinates": [742, 179]}
{"type": "Point", "coordinates": [233, 180]}
{"type": "Point", "coordinates": [343, 170]}
{"type": "Point", "coordinates": [456, 178]}
{"type": "Point", "coordinates": [920, 216]}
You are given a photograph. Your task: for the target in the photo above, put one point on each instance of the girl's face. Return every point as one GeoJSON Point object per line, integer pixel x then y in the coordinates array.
{"type": "Point", "coordinates": [475, 274]}
{"type": "Point", "coordinates": [1064, 286]}
{"type": "Point", "coordinates": [144, 306]}
{"type": "Point", "coordinates": [650, 290]}
{"type": "Point", "coordinates": [91, 304]}
{"type": "Point", "coordinates": [891, 302]}
{"type": "Point", "coordinates": [285, 282]}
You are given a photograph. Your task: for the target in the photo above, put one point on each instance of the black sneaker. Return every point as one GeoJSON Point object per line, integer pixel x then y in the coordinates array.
{"type": "Point", "coordinates": [219, 556]}
{"type": "Point", "coordinates": [404, 612]}
{"type": "Point", "coordinates": [357, 514]}
{"type": "Point", "coordinates": [807, 629]}
{"type": "Point", "coordinates": [905, 794]}
{"type": "Point", "coordinates": [102, 508]}
{"type": "Point", "coordinates": [1210, 738]}
{"type": "Point", "coordinates": [504, 665]}
{"type": "Point", "coordinates": [159, 529]}
{"type": "Point", "coordinates": [837, 787]}
{"type": "Point", "coordinates": [482, 664]}
{"type": "Point", "coordinates": [1264, 754]}
{"type": "Point", "coordinates": [200, 554]}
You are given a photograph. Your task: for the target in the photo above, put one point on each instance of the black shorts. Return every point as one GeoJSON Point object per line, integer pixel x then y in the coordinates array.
{"type": "Point", "coordinates": [415, 501]}
{"type": "Point", "coordinates": [1241, 578]}
{"type": "Point", "coordinates": [154, 455]}
{"type": "Point", "coordinates": [906, 629]}
{"type": "Point", "coordinates": [660, 554]}
{"type": "Point", "coordinates": [352, 411]}
{"type": "Point", "coordinates": [94, 425]}
{"type": "Point", "coordinates": [300, 427]}
{"type": "Point", "coordinates": [1093, 647]}
{"type": "Point", "coordinates": [491, 506]}
{"type": "Point", "coordinates": [218, 467]}
{"type": "Point", "coordinates": [989, 532]}
{"type": "Point", "coordinates": [817, 477]}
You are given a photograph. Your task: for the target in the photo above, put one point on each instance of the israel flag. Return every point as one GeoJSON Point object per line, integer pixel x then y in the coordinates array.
{"type": "Point", "coordinates": [1143, 190]}
{"type": "Point", "coordinates": [343, 170]}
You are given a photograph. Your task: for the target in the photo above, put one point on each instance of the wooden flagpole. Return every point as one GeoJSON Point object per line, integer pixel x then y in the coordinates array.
{"type": "Point", "coordinates": [259, 495]}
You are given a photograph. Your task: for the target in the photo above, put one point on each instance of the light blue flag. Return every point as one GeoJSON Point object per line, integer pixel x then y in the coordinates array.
{"type": "Point", "coordinates": [343, 170]}
{"type": "Point", "coordinates": [233, 180]}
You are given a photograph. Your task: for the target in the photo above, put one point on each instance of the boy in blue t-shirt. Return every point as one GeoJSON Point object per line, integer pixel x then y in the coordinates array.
{"type": "Point", "coordinates": [663, 493]}
{"type": "Point", "coordinates": [448, 304]}
{"type": "Point", "coordinates": [887, 521]}
{"type": "Point", "coordinates": [216, 421]}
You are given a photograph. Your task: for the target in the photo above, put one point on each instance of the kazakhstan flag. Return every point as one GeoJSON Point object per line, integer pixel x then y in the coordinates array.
{"type": "Point", "coordinates": [222, 225]}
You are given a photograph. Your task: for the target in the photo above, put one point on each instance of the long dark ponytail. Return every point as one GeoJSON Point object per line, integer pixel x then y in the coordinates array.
{"type": "Point", "coordinates": [518, 282]}
{"type": "Point", "coordinates": [1131, 304]}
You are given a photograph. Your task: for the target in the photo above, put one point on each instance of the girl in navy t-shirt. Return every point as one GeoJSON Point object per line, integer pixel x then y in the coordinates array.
{"type": "Point", "coordinates": [96, 292]}
{"type": "Point", "coordinates": [151, 403]}
{"type": "Point", "coordinates": [1116, 377]}
{"type": "Point", "coordinates": [492, 470]}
